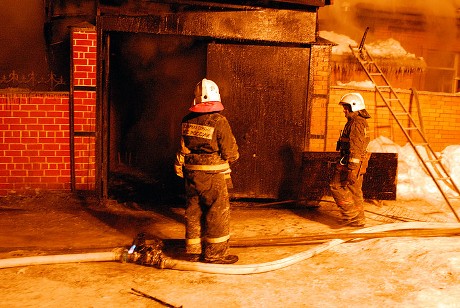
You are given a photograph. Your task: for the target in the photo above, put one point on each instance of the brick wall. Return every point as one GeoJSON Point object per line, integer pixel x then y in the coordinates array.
{"type": "Point", "coordinates": [84, 50]}
{"type": "Point", "coordinates": [35, 129]}
{"type": "Point", "coordinates": [34, 148]}
{"type": "Point", "coordinates": [440, 117]}
{"type": "Point", "coordinates": [85, 146]}
{"type": "Point", "coordinates": [319, 73]}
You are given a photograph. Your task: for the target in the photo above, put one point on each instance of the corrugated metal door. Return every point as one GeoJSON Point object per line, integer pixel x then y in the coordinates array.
{"type": "Point", "coordinates": [264, 91]}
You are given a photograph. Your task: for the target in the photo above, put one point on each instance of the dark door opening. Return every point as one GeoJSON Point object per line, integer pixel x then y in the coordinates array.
{"type": "Point", "coordinates": [151, 83]}
{"type": "Point", "coordinates": [152, 78]}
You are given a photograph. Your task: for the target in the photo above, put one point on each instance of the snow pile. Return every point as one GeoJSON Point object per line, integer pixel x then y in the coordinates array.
{"type": "Point", "coordinates": [389, 48]}
{"type": "Point", "coordinates": [343, 42]}
{"type": "Point", "coordinates": [357, 84]}
{"type": "Point", "coordinates": [413, 183]}
{"type": "Point", "coordinates": [451, 160]}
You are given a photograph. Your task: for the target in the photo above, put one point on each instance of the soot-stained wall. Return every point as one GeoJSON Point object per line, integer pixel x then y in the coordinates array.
{"type": "Point", "coordinates": [261, 64]}
{"type": "Point", "coordinates": [152, 79]}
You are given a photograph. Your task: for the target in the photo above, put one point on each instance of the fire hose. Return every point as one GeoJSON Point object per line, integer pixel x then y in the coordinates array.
{"type": "Point", "coordinates": [152, 254]}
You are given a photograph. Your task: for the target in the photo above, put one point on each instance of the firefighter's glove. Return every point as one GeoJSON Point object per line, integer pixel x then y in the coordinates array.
{"type": "Point", "coordinates": [179, 162]}
{"type": "Point", "coordinates": [179, 170]}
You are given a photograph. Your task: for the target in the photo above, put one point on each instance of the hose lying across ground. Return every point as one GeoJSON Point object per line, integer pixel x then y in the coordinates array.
{"type": "Point", "coordinates": [164, 262]}
{"type": "Point", "coordinates": [284, 262]}
{"type": "Point", "coordinates": [114, 255]}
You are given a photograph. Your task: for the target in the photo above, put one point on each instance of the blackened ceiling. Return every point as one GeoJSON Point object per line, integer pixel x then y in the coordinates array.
{"type": "Point", "coordinates": [284, 4]}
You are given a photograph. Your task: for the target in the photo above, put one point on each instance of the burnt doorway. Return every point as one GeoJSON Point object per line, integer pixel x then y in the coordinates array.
{"type": "Point", "coordinates": [264, 91]}
{"type": "Point", "coordinates": [151, 82]}
{"type": "Point", "coordinates": [151, 79]}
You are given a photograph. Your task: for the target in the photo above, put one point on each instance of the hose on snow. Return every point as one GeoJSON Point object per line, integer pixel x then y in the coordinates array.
{"type": "Point", "coordinates": [152, 255]}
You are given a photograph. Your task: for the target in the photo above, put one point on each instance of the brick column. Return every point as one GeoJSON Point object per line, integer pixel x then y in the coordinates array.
{"type": "Point", "coordinates": [83, 98]}
{"type": "Point", "coordinates": [320, 73]}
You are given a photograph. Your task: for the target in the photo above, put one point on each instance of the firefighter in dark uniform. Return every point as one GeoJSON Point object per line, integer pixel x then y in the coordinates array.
{"type": "Point", "coordinates": [208, 146]}
{"type": "Point", "coordinates": [347, 180]}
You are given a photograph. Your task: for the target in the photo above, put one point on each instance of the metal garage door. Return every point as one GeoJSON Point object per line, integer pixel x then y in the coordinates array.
{"type": "Point", "coordinates": [265, 97]}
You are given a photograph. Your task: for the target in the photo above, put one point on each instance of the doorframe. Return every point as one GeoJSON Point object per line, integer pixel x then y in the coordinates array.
{"type": "Point", "coordinates": [284, 28]}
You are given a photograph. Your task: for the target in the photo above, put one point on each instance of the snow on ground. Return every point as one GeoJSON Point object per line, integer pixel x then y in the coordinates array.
{"type": "Point", "coordinates": [413, 182]}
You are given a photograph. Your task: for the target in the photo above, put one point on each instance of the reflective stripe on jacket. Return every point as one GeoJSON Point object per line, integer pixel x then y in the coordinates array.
{"type": "Point", "coordinates": [355, 138]}
{"type": "Point", "coordinates": [207, 143]}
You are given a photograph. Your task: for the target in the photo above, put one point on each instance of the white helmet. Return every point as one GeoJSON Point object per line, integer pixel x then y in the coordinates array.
{"type": "Point", "coordinates": [355, 100]}
{"type": "Point", "coordinates": [207, 97]}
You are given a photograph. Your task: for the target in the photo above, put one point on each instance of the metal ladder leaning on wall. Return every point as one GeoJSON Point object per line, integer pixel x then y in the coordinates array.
{"type": "Point", "coordinates": [432, 163]}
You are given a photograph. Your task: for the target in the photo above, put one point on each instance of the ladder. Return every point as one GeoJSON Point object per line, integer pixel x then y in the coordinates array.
{"type": "Point", "coordinates": [432, 163]}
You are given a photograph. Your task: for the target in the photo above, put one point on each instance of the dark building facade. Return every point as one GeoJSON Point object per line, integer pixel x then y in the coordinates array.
{"type": "Point", "coordinates": [265, 57]}
{"type": "Point", "coordinates": [271, 67]}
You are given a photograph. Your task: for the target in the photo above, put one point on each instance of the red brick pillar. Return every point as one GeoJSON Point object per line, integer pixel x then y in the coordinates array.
{"type": "Point", "coordinates": [83, 107]}
{"type": "Point", "coordinates": [319, 73]}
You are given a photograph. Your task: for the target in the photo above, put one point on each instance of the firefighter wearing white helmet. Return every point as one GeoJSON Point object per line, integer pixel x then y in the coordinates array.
{"type": "Point", "coordinates": [207, 148]}
{"type": "Point", "coordinates": [347, 180]}
{"type": "Point", "coordinates": [207, 97]}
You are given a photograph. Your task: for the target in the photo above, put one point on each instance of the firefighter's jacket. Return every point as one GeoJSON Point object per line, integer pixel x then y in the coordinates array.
{"type": "Point", "coordinates": [353, 142]}
{"type": "Point", "coordinates": [207, 144]}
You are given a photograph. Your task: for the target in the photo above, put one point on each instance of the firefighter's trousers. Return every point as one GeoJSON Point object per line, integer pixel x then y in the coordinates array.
{"type": "Point", "coordinates": [348, 197]}
{"type": "Point", "coordinates": [207, 214]}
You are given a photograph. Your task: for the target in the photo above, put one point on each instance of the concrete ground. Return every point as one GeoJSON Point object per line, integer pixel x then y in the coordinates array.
{"type": "Point", "coordinates": [409, 271]}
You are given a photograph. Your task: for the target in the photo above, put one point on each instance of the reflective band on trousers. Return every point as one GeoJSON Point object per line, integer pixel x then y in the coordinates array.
{"type": "Point", "coordinates": [215, 240]}
{"type": "Point", "coordinates": [192, 241]}
{"type": "Point", "coordinates": [354, 160]}
{"type": "Point", "coordinates": [212, 240]}
{"type": "Point", "coordinates": [220, 167]}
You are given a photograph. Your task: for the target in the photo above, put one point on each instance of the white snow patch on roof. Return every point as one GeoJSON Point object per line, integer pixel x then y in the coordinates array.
{"type": "Point", "coordinates": [357, 84]}
{"type": "Point", "coordinates": [343, 42]}
{"type": "Point", "coordinates": [389, 48]}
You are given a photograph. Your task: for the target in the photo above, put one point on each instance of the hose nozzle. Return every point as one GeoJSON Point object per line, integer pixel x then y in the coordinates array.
{"type": "Point", "coordinates": [143, 254]}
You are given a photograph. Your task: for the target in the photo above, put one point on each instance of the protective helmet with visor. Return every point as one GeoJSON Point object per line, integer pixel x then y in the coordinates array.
{"type": "Point", "coordinates": [355, 100]}
{"type": "Point", "coordinates": [207, 97]}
